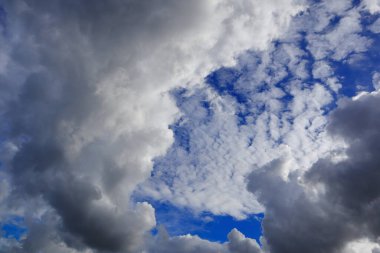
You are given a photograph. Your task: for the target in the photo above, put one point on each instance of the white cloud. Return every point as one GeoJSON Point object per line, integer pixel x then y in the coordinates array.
{"type": "Point", "coordinates": [373, 6]}
{"type": "Point", "coordinates": [376, 80]}
{"type": "Point", "coordinates": [375, 26]}
{"type": "Point", "coordinates": [237, 243]}
{"type": "Point", "coordinates": [322, 70]}
{"type": "Point", "coordinates": [340, 41]}
{"type": "Point", "coordinates": [361, 246]}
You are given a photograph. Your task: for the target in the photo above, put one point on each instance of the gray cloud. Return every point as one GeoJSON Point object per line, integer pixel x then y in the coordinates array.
{"type": "Point", "coordinates": [336, 201]}
{"type": "Point", "coordinates": [293, 223]}
{"type": "Point", "coordinates": [353, 182]}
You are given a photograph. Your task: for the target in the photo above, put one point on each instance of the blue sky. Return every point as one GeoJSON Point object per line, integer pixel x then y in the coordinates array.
{"type": "Point", "coordinates": [14, 228]}
{"type": "Point", "coordinates": [226, 122]}
{"type": "Point", "coordinates": [214, 228]}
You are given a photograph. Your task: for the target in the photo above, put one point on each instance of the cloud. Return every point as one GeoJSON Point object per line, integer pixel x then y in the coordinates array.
{"type": "Point", "coordinates": [333, 206]}
{"type": "Point", "coordinates": [186, 244]}
{"type": "Point", "coordinates": [338, 40]}
{"type": "Point", "coordinates": [373, 6]}
{"type": "Point", "coordinates": [237, 243]}
{"type": "Point", "coordinates": [85, 105]}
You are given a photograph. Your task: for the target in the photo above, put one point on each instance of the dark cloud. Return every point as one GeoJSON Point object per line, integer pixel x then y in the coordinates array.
{"type": "Point", "coordinates": [293, 221]}
{"type": "Point", "coordinates": [66, 49]}
{"type": "Point", "coordinates": [353, 183]}
{"type": "Point", "coordinates": [335, 202]}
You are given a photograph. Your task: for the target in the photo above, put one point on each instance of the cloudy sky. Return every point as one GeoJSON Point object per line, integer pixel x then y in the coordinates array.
{"type": "Point", "coordinates": [189, 126]}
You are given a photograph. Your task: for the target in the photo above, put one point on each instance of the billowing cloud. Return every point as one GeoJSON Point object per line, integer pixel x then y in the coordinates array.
{"type": "Point", "coordinates": [238, 243]}
{"type": "Point", "coordinates": [85, 106]}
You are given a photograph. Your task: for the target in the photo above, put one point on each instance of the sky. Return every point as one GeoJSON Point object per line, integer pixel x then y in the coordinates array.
{"type": "Point", "coordinates": [183, 126]}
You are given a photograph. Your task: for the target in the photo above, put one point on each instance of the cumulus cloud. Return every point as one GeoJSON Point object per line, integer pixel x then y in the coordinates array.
{"type": "Point", "coordinates": [237, 243]}
{"type": "Point", "coordinates": [186, 244]}
{"type": "Point", "coordinates": [85, 108]}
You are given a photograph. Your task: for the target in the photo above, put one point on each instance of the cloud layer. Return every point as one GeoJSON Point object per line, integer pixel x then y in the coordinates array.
{"type": "Point", "coordinates": [221, 106]}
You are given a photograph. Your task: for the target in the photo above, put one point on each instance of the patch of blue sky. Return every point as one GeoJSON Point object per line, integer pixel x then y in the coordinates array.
{"type": "Point", "coordinates": [367, 18]}
{"type": "Point", "coordinates": [195, 107]}
{"type": "Point", "coordinates": [13, 228]}
{"type": "Point", "coordinates": [180, 221]}
{"type": "Point", "coordinates": [223, 81]}
{"type": "Point", "coordinates": [356, 72]}
{"type": "Point", "coordinates": [233, 82]}
{"type": "Point", "coordinates": [356, 2]}
{"type": "Point", "coordinates": [196, 104]}
{"type": "Point", "coordinates": [182, 135]}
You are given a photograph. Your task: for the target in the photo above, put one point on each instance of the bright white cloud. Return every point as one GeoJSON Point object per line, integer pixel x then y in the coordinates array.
{"type": "Point", "coordinates": [362, 246]}
{"type": "Point", "coordinates": [373, 6]}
